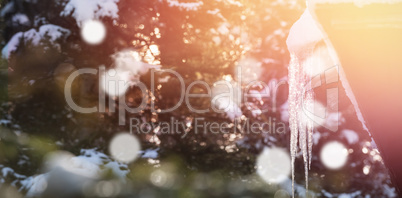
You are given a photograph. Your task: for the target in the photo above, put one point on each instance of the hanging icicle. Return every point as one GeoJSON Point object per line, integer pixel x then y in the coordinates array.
{"type": "Point", "coordinates": [300, 99]}
{"type": "Point", "coordinates": [303, 36]}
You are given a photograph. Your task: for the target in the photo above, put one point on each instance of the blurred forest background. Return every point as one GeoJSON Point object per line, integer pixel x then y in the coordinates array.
{"type": "Point", "coordinates": [201, 40]}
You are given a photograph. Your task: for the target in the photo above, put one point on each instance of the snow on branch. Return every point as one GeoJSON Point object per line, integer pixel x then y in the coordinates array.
{"type": "Point", "coordinates": [188, 6]}
{"type": "Point", "coordinates": [91, 9]}
{"type": "Point", "coordinates": [49, 33]}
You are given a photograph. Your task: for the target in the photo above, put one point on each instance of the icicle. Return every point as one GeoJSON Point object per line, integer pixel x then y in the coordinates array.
{"type": "Point", "coordinates": [310, 131]}
{"type": "Point", "coordinates": [302, 38]}
{"type": "Point", "coordinates": [293, 106]}
{"type": "Point", "coordinates": [301, 127]}
{"type": "Point", "coordinates": [303, 147]}
{"type": "Point", "coordinates": [308, 98]}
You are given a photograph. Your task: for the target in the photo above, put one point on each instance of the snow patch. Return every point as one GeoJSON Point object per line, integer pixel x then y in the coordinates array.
{"type": "Point", "coordinates": [232, 110]}
{"type": "Point", "coordinates": [8, 8]}
{"type": "Point", "coordinates": [189, 6]}
{"type": "Point", "coordinates": [213, 12]}
{"type": "Point", "coordinates": [351, 136]}
{"type": "Point", "coordinates": [234, 2]}
{"type": "Point", "coordinates": [226, 97]}
{"type": "Point", "coordinates": [71, 170]}
{"type": "Point", "coordinates": [12, 45]}
{"type": "Point", "coordinates": [35, 185]}
{"type": "Point", "coordinates": [5, 122]}
{"type": "Point", "coordinates": [130, 61]}
{"type": "Point", "coordinates": [333, 120]}
{"type": "Point", "coordinates": [303, 35]}
{"type": "Point", "coordinates": [150, 153]}
{"type": "Point", "coordinates": [47, 32]}
{"type": "Point", "coordinates": [21, 19]}
{"type": "Point", "coordinates": [316, 137]}
{"type": "Point", "coordinates": [91, 9]}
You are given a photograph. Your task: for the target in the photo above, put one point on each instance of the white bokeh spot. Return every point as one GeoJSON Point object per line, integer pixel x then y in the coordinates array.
{"type": "Point", "coordinates": [334, 155]}
{"type": "Point", "coordinates": [124, 147]}
{"type": "Point", "coordinates": [93, 32]}
{"type": "Point", "coordinates": [273, 165]}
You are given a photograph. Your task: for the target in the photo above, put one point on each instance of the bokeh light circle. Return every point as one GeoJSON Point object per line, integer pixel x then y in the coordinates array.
{"type": "Point", "coordinates": [93, 32]}
{"type": "Point", "coordinates": [334, 155]}
{"type": "Point", "coordinates": [274, 165]}
{"type": "Point", "coordinates": [124, 147]}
